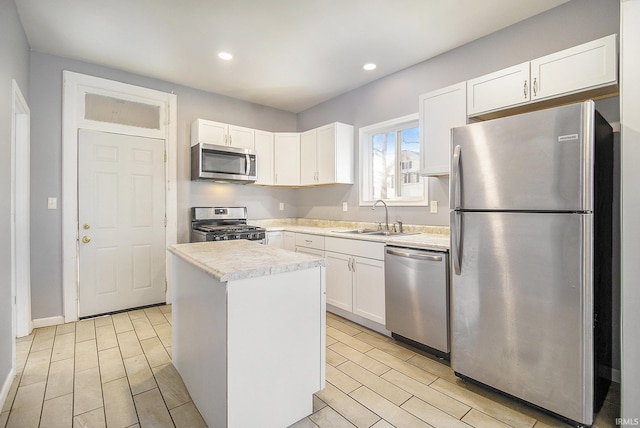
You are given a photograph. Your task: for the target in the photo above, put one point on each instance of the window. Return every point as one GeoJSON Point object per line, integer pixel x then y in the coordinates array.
{"type": "Point", "coordinates": [390, 163]}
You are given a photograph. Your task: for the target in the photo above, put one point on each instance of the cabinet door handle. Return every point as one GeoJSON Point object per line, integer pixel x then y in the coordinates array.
{"type": "Point", "coordinates": [526, 91]}
{"type": "Point", "coordinates": [230, 140]}
{"type": "Point", "coordinates": [535, 86]}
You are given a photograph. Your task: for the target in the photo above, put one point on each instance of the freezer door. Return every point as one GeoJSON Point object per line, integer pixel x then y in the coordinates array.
{"type": "Point", "coordinates": [522, 307]}
{"type": "Point", "coordinates": [538, 161]}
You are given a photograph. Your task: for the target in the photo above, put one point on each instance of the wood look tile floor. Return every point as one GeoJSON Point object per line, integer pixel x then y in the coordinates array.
{"type": "Point", "coordinates": [116, 371]}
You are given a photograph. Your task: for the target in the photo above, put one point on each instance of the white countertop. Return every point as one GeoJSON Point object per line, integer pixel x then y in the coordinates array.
{"type": "Point", "coordinates": [242, 259]}
{"type": "Point", "coordinates": [430, 241]}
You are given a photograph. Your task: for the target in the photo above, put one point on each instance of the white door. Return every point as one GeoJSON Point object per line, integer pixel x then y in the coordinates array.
{"type": "Point", "coordinates": [121, 231]}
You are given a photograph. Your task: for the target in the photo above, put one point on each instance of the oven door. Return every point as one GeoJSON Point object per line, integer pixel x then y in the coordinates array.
{"type": "Point", "coordinates": [221, 163]}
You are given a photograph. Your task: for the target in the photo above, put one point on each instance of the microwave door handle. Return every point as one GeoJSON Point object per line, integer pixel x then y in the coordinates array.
{"type": "Point", "coordinates": [248, 158]}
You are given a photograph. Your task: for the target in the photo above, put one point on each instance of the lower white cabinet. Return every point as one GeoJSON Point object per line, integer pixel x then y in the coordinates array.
{"type": "Point", "coordinates": [275, 238]}
{"type": "Point", "coordinates": [289, 241]}
{"type": "Point", "coordinates": [355, 277]}
{"type": "Point", "coordinates": [310, 244]}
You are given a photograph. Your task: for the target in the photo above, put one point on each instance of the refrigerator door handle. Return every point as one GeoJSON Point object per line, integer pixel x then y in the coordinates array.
{"type": "Point", "coordinates": [455, 180]}
{"type": "Point", "coordinates": [455, 241]}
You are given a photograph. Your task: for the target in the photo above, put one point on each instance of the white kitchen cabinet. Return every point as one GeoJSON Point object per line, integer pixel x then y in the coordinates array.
{"type": "Point", "coordinates": [275, 238]}
{"type": "Point", "coordinates": [575, 74]}
{"type": "Point", "coordinates": [339, 280]}
{"type": "Point", "coordinates": [221, 134]}
{"type": "Point", "coordinates": [355, 277]}
{"type": "Point", "coordinates": [290, 241]}
{"type": "Point", "coordinates": [498, 90]}
{"type": "Point", "coordinates": [368, 289]}
{"type": "Point", "coordinates": [440, 111]}
{"type": "Point", "coordinates": [308, 158]}
{"type": "Point", "coordinates": [286, 158]}
{"type": "Point", "coordinates": [263, 141]}
{"type": "Point", "coordinates": [310, 244]}
{"type": "Point", "coordinates": [326, 155]}
{"type": "Point", "coordinates": [590, 65]}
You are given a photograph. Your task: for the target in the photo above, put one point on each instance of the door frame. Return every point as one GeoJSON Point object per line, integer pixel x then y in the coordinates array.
{"type": "Point", "coordinates": [20, 214]}
{"type": "Point", "coordinates": [75, 87]}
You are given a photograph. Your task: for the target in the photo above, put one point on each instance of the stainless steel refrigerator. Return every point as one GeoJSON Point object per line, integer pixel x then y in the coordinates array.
{"type": "Point", "coordinates": [530, 199]}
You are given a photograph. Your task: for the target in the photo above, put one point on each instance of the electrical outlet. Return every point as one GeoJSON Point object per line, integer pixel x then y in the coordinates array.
{"type": "Point", "coordinates": [52, 203]}
{"type": "Point", "coordinates": [281, 206]}
{"type": "Point", "coordinates": [433, 207]}
{"type": "Point", "coordinates": [344, 206]}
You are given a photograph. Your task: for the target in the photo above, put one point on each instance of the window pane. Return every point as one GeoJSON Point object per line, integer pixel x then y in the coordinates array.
{"type": "Point", "coordinates": [410, 182]}
{"type": "Point", "coordinates": [383, 168]}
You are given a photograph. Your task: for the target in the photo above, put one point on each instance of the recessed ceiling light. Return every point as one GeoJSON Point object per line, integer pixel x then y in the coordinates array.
{"type": "Point", "coordinates": [369, 67]}
{"type": "Point", "coordinates": [225, 55]}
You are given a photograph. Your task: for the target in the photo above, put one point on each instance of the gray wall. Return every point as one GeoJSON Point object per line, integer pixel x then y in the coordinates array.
{"type": "Point", "coordinates": [571, 24]}
{"type": "Point", "coordinates": [46, 164]}
{"type": "Point", "coordinates": [14, 64]}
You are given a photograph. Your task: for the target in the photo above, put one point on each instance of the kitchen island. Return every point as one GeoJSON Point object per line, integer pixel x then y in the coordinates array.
{"type": "Point", "coordinates": [248, 331]}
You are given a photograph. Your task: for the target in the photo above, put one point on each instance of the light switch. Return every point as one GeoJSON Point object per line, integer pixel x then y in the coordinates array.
{"type": "Point", "coordinates": [433, 207]}
{"type": "Point", "coordinates": [281, 206]}
{"type": "Point", "coordinates": [52, 203]}
{"type": "Point", "coordinates": [344, 206]}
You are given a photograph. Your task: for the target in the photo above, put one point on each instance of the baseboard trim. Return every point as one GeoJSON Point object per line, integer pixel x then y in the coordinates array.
{"type": "Point", "coordinates": [47, 322]}
{"type": "Point", "coordinates": [6, 386]}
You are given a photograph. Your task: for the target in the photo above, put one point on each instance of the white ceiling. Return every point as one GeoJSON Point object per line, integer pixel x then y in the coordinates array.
{"type": "Point", "coordinates": [288, 54]}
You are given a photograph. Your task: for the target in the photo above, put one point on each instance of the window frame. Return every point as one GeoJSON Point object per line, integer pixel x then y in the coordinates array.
{"type": "Point", "coordinates": [365, 158]}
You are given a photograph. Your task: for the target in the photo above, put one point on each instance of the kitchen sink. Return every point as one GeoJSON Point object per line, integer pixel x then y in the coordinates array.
{"type": "Point", "coordinates": [391, 233]}
{"type": "Point", "coordinates": [374, 232]}
{"type": "Point", "coordinates": [358, 231]}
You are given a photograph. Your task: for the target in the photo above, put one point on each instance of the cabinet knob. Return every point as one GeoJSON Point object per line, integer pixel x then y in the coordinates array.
{"type": "Point", "coordinates": [86, 239]}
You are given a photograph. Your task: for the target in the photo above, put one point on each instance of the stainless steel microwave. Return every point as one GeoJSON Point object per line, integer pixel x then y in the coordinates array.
{"type": "Point", "coordinates": [222, 163]}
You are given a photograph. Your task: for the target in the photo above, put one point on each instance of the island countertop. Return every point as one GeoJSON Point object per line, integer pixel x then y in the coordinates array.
{"type": "Point", "coordinates": [242, 259]}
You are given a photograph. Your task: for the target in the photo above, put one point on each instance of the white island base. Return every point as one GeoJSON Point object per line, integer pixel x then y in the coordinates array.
{"type": "Point", "coordinates": [251, 351]}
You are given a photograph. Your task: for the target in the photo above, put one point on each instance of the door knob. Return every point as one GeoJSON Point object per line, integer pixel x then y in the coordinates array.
{"type": "Point", "coordinates": [86, 239]}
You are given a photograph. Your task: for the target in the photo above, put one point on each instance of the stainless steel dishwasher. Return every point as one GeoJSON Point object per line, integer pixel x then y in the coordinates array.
{"type": "Point", "coordinates": [417, 296]}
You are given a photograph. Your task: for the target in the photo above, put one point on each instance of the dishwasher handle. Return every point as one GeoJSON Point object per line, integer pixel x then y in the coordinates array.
{"type": "Point", "coordinates": [412, 255]}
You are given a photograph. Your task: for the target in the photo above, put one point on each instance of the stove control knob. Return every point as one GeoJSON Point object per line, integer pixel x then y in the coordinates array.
{"type": "Point", "coordinates": [250, 235]}
{"type": "Point", "coordinates": [238, 236]}
{"type": "Point", "coordinates": [225, 238]}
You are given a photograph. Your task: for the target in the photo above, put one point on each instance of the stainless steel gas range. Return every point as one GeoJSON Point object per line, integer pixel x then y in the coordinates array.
{"type": "Point", "coordinates": [223, 224]}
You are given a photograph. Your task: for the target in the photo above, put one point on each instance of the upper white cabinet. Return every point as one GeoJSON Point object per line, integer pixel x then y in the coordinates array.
{"type": "Point", "coordinates": [308, 157]}
{"type": "Point", "coordinates": [440, 111]}
{"type": "Point", "coordinates": [221, 134]}
{"type": "Point", "coordinates": [581, 72]}
{"type": "Point", "coordinates": [590, 65]}
{"type": "Point", "coordinates": [326, 155]}
{"type": "Point", "coordinates": [286, 159]}
{"type": "Point", "coordinates": [265, 156]}
{"type": "Point", "coordinates": [501, 89]}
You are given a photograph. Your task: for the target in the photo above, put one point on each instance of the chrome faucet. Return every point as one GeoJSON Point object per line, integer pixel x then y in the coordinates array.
{"type": "Point", "coordinates": [386, 213]}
